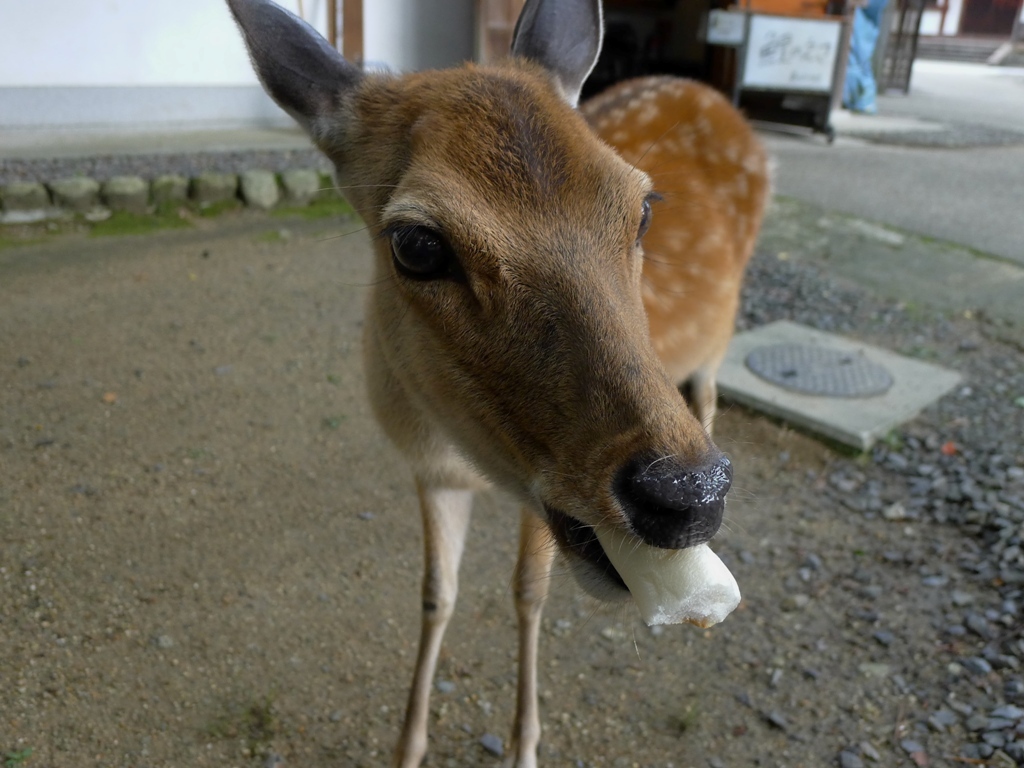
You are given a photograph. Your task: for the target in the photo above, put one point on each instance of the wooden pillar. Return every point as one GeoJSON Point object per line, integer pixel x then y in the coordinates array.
{"type": "Point", "coordinates": [332, 23]}
{"type": "Point", "coordinates": [495, 22]}
{"type": "Point", "coordinates": [352, 30]}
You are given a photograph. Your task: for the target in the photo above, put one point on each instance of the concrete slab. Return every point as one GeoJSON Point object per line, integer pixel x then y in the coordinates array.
{"type": "Point", "coordinates": [27, 144]}
{"type": "Point", "coordinates": [846, 122]}
{"type": "Point", "coordinates": [857, 422]}
{"type": "Point", "coordinates": [971, 197]}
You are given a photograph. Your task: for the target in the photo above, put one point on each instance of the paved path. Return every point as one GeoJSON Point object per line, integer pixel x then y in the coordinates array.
{"type": "Point", "coordinates": [970, 196]}
{"type": "Point", "coordinates": [976, 93]}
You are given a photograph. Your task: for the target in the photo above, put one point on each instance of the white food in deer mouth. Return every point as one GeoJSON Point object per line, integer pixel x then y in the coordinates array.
{"type": "Point", "coordinates": [672, 586]}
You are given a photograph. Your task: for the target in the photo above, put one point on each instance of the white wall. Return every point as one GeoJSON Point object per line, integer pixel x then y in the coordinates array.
{"type": "Point", "coordinates": [931, 19]}
{"type": "Point", "coordinates": [408, 35]}
{"type": "Point", "coordinates": [125, 42]}
{"type": "Point", "coordinates": [952, 25]}
{"type": "Point", "coordinates": [930, 22]}
{"type": "Point", "coordinates": [181, 63]}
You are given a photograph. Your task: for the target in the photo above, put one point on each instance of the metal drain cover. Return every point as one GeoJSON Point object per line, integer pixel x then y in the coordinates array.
{"type": "Point", "coordinates": [815, 370]}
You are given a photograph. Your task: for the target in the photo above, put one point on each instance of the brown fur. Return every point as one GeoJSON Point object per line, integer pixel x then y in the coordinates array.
{"type": "Point", "coordinates": [544, 369]}
{"type": "Point", "coordinates": [553, 285]}
{"type": "Point", "coordinates": [711, 170]}
{"type": "Point", "coordinates": [539, 360]}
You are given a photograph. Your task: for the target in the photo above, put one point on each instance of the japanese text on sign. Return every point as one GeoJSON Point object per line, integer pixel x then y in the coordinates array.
{"type": "Point", "coordinates": [791, 54]}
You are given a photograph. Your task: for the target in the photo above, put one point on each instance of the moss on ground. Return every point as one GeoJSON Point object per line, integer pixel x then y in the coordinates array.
{"type": "Point", "coordinates": [122, 223]}
{"type": "Point", "coordinates": [325, 207]}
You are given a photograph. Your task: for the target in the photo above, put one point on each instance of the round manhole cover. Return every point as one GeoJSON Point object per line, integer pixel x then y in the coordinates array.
{"type": "Point", "coordinates": [813, 370]}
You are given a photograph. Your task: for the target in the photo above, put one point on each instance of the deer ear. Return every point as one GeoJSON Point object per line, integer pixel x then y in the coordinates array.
{"type": "Point", "coordinates": [298, 68]}
{"type": "Point", "coordinates": [564, 36]}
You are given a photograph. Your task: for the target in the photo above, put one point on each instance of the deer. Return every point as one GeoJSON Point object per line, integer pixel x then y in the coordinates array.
{"type": "Point", "coordinates": [530, 320]}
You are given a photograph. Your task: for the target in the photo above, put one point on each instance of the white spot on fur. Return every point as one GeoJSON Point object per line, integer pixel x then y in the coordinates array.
{"type": "Point", "coordinates": [742, 185]}
{"type": "Point", "coordinates": [752, 163]}
{"type": "Point", "coordinates": [648, 115]}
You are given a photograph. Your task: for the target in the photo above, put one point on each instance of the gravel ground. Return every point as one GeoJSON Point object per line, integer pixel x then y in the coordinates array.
{"type": "Point", "coordinates": [153, 165]}
{"type": "Point", "coordinates": [948, 136]}
{"type": "Point", "coordinates": [208, 557]}
{"type": "Point", "coordinates": [960, 464]}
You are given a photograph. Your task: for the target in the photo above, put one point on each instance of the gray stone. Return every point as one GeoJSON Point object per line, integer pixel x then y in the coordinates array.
{"type": "Point", "coordinates": [492, 744]}
{"type": "Point", "coordinates": [874, 669]}
{"type": "Point", "coordinates": [994, 738]}
{"type": "Point", "coordinates": [884, 637]}
{"type": "Point", "coordinates": [970, 752]}
{"type": "Point", "coordinates": [910, 746]}
{"type": "Point", "coordinates": [943, 719]}
{"type": "Point", "coordinates": [1009, 712]}
{"type": "Point", "coordinates": [126, 193]}
{"type": "Point", "coordinates": [897, 461]}
{"type": "Point", "coordinates": [28, 217]}
{"type": "Point", "coordinates": [895, 512]}
{"type": "Point", "coordinates": [79, 194]}
{"type": "Point", "coordinates": [259, 189]}
{"type": "Point", "coordinates": [868, 750]}
{"type": "Point", "coordinates": [301, 185]}
{"type": "Point", "coordinates": [961, 598]}
{"type": "Point", "coordinates": [24, 196]}
{"type": "Point", "coordinates": [1003, 661]}
{"type": "Point", "coordinates": [977, 665]}
{"type": "Point", "coordinates": [97, 214]}
{"type": "Point", "coordinates": [795, 602]}
{"type": "Point", "coordinates": [977, 624]}
{"type": "Point", "coordinates": [169, 188]}
{"type": "Point", "coordinates": [211, 188]}
{"type": "Point", "coordinates": [850, 760]}
{"type": "Point", "coordinates": [962, 707]}
{"type": "Point", "coordinates": [977, 722]}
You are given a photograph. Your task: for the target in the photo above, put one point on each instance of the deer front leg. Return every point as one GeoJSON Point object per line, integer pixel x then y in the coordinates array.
{"type": "Point", "coordinates": [445, 520]}
{"type": "Point", "coordinates": [532, 577]}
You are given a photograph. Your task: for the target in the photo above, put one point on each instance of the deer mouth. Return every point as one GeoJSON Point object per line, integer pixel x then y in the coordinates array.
{"type": "Point", "coordinates": [580, 540]}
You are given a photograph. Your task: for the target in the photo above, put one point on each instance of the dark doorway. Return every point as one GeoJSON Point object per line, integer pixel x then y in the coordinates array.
{"type": "Point", "coordinates": [989, 17]}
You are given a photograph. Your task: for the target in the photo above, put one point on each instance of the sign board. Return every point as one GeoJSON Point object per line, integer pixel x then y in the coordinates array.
{"type": "Point", "coordinates": [725, 28]}
{"type": "Point", "coordinates": [791, 54]}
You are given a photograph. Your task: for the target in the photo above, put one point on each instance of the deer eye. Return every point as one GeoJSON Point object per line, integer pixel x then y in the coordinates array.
{"type": "Point", "coordinates": [645, 218]}
{"type": "Point", "coordinates": [422, 254]}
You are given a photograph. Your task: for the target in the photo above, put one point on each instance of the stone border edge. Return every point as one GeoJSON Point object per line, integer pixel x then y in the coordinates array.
{"type": "Point", "coordinates": [29, 202]}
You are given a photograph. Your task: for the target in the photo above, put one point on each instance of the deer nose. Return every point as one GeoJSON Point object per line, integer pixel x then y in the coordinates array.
{"type": "Point", "coordinates": [673, 506]}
